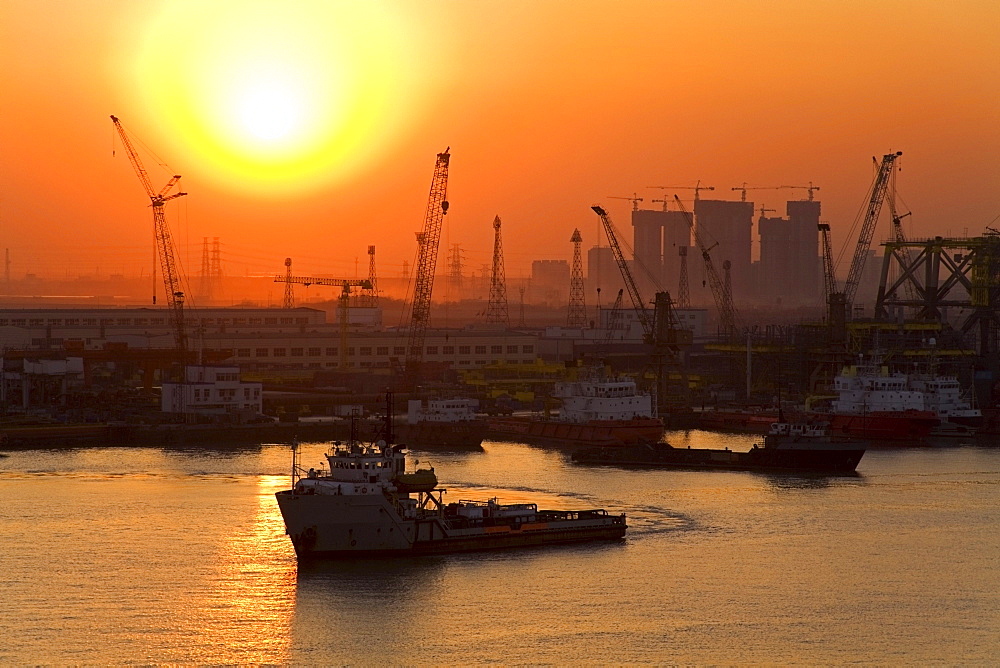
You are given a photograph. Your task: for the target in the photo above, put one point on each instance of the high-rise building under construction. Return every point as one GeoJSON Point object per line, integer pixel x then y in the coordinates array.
{"type": "Point", "coordinates": [790, 263]}
{"type": "Point", "coordinates": [726, 228]}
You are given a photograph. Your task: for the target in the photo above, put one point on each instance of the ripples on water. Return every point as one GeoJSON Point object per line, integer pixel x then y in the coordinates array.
{"type": "Point", "coordinates": [179, 556]}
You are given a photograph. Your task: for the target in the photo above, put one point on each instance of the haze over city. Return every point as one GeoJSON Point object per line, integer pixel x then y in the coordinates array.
{"type": "Point", "coordinates": [309, 129]}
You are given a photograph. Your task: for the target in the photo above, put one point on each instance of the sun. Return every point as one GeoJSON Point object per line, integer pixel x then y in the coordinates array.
{"type": "Point", "coordinates": [279, 96]}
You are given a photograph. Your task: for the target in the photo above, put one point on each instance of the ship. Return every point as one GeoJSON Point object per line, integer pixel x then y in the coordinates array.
{"type": "Point", "coordinates": [450, 424]}
{"type": "Point", "coordinates": [597, 409]}
{"type": "Point", "coordinates": [788, 447]}
{"type": "Point", "coordinates": [364, 502]}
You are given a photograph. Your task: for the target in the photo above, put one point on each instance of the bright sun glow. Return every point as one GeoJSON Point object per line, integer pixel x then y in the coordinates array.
{"type": "Point", "coordinates": [280, 96]}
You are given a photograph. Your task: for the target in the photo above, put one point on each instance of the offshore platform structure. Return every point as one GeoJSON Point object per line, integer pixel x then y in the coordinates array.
{"type": "Point", "coordinates": [577, 316]}
{"type": "Point", "coordinates": [343, 304]}
{"type": "Point", "coordinates": [164, 243]}
{"type": "Point", "coordinates": [428, 240]}
{"type": "Point", "coordinates": [497, 313]}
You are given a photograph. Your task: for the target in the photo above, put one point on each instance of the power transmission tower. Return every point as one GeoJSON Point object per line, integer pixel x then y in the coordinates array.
{"type": "Point", "coordinates": [684, 289]}
{"type": "Point", "coordinates": [206, 270]}
{"type": "Point", "coordinates": [289, 301]}
{"type": "Point", "coordinates": [496, 308]}
{"type": "Point", "coordinates": [577, 306]}
{"type": "Point", "coordinates": [216, 269]}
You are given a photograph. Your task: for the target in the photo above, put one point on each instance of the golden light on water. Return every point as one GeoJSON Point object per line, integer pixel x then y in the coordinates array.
{"type": "Point", "coordinates": [278, 97]}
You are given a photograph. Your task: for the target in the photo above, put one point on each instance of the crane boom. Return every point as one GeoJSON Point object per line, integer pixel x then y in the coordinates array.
{"type": "Point", "coordinates": [876, 196]}
{"type": "Point", "coordinates": [728, 318]}
{"type": "Point", "coordinates": [633, 292]}
{"type": "Point", "coordinates": [829, 275]}
{"type": "Point", "coordinates": [428, 240]}
{"type": "Point", "coordinates": [164, 242]}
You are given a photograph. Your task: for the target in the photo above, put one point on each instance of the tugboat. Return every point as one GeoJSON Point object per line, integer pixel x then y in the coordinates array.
{"type": "Point", "coordinates": [787, 447]}
{"type": "Point", "coordinates": [367, 503]}
{"type": "Point", "coordinates": [596, 410]}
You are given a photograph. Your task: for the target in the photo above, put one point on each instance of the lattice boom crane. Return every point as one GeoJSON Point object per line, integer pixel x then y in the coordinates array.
{"type": "Point", "coordinates": [633, 292]}
{"type": "Point", "coordinates": [428, 240]}
{"type": "Point", "coordinates": [164, 243]}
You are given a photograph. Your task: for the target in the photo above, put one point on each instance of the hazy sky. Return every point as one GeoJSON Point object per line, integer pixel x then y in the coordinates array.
{"type": "Point", "coordinates": [309, 129]}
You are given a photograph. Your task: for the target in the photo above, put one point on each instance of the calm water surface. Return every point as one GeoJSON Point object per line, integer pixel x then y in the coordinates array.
{"type": "Point", "coordinates": [178, 556]}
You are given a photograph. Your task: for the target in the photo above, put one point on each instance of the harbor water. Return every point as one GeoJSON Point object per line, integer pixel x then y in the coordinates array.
{"type": "Point", "coordinates": [145, 555]}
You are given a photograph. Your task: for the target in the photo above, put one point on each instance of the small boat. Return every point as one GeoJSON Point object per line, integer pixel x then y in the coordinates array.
{"type": "Point", "coordinates": [787, 447]}
{"type": "Point", "coordinates": [365, 502]}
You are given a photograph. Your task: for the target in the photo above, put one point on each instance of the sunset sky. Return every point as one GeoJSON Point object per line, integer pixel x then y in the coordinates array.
{"type": "Point", "coordinates": [309, 129]}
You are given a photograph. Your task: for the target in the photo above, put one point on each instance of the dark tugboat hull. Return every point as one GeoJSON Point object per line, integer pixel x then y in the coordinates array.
{"type": "Point", "coordinates": [809, 457]}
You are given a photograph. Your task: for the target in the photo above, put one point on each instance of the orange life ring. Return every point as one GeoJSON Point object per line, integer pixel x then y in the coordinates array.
{"type": "Point", "coordinates": [364, 490]}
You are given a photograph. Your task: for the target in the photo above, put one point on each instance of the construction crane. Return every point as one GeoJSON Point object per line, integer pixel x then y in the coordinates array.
{"type": "Point", "coordinates": [428, 240]}
{"type": "Point", "coordinates": [683, 286]}
{"type": "Point", "coordinates": [164, 243]}
{"type": "Point", "coordinates": [906, 258]}
{"type": "Point", "coordinates": [613, 323]}
{"type": "Point", "coordinates": [728, 317]}
{"type": "Point", "coordinates": [809, 187]}
{"type": "Point", "coordinates": [496, 307]}
{"type": "Point", "coordinates": [343, 306]}
{"type": "Point", "coordinates": [697, 188]}
{"type": "Point", "coordinates": [635, 199]}
{"type": "Point", "coordinates": [829, 275]}
{"type": "Point", "coordinates": [645, 319]}
{"type": "Point", "coordinates": [369, 298]}
{"type": "Point", "coordinates": [764, 210]}
{"type": "Point", "coordinates": [744, 188]}
{"type": "Point", "coordinates": [876, 196]}
{"type": "Point", "coordinates": [289, 300]}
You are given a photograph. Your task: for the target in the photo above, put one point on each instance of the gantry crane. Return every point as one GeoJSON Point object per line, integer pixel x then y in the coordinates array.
{"type": "Point", "coordinates": [728, 317]}
{"type": "Point", "coordinates": [635, 199]}
{"type": "Point", "coordinates": [343, 306]}
{"type": "Point", "coordinates": [164, 243]}
{"type": "Point", "coordinates": [876, 196]}
{"type": "Point", "coordinates": [428, 240]}
{"type": "Point", "coordinates": [697, 188]}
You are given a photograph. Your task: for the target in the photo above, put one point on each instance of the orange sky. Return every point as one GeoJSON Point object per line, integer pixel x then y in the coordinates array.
{"type": "Point", "coordinates": [311, 132]}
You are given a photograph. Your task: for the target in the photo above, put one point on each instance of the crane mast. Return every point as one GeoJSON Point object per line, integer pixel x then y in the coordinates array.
{"type": "Point", "coordinates": [428, 240]}
{"type": "Point", "coordinates": [633, 292]}
{"type": "Point", "coordinates": [728, 318]}
{"type": "Point", "coordinates": [876, 197]}
{"type": "Point", "coordinates": [164, 242]}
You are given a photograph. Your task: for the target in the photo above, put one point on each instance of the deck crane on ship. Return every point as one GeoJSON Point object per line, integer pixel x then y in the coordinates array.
{"type": "Point", "coordinates": [164, 243]}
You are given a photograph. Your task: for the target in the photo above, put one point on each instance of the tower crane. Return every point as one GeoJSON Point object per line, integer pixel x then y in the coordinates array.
{"type": "Point", "coordinates": [428, 240]}
{"type": "Point", "coordinates": [635, 199]}
{"type": "Point", "coordinates": [809, 187]}
{"type": "Point", "coordinates": [164, 243]}
{"type": "Point", "coordinates": [343, 305]}
{"type": "Point", "coordinates": [876, 196]}
{"type": "Point", "coordinates": [744, 188]}
{"type": "Point", "coordinates": [697, 188]}
{"type": "Point", "coordinates": [728, 317]}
